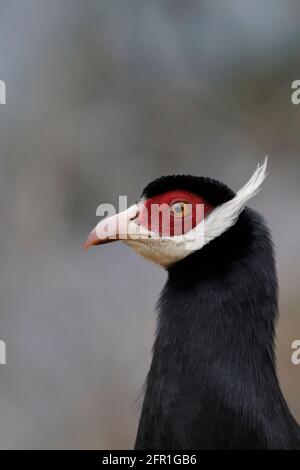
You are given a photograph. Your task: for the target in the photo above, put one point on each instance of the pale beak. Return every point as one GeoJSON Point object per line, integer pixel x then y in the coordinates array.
{"type": "Point", "coordinates": [117, 227]}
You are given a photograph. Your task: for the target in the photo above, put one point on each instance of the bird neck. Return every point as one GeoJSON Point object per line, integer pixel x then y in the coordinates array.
{"type": "Point", "coordinates": [212, 381]}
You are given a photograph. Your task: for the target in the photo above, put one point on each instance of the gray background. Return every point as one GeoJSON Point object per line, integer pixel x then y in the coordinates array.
{"type": "Point", "coordinates": [102, 97]}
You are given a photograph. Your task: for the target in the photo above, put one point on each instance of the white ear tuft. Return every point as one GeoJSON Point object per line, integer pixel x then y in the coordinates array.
{"type": "Point", "coordinates": [254, 184]}
{"type": "Point", "coordinates": [222, 217]}
{"type": "Point", "coordinates": [225, 215]}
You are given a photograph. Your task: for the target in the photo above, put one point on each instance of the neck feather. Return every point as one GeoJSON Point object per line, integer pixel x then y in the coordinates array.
{"type": "Point", "coordinates": [212, 381]}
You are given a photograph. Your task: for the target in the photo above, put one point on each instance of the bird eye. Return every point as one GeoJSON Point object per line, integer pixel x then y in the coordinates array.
{"type": "Point", "coordinates": [180, 209]}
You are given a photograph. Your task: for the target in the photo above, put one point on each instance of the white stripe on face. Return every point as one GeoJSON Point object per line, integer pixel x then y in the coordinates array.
{"type": "Point", "coordinates": [168, 250]}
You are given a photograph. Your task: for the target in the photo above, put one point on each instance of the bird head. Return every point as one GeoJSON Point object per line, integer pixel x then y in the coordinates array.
{"type": "Point", "coordinates": [177, 216]}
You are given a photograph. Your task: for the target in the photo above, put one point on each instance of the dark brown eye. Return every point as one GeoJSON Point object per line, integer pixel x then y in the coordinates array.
{"type": "Point", "coordinates": [181, 209]}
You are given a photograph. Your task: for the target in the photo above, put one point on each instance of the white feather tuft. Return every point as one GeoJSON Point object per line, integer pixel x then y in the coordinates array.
{"type": "Point", "coordinates": [222, 217]}
{"type": "Point", "coordinates": [167, 251]}
{"type": "Point", "coordinates": [226, 215]}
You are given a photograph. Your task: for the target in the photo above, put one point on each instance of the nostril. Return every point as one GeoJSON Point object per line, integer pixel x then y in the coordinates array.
{"type": "Point", "coordinates": [135, 219]}
{"type": "Point", "coordinates": [135, 214]}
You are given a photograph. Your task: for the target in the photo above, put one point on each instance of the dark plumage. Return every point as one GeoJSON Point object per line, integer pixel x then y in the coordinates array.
{"type": "Point", "coordinates": [212, 383]}
{"type": "Point", "coordinates": [211, 190]}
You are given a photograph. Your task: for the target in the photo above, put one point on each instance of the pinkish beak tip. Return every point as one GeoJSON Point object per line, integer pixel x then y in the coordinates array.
{"type": "Point", "coordinates": [91, 240]}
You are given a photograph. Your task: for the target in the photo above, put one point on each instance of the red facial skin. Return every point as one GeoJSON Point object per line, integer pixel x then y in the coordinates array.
{"type": "Point", "coordinates": [156, 216]}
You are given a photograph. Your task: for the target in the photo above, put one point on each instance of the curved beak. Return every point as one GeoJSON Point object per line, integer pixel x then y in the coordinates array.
{"type": "Point", "coordinates": [116, 227]}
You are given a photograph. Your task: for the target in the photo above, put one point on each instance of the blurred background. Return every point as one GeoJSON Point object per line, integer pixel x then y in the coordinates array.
{"type": "Point", "coordinates": [102, 97]}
